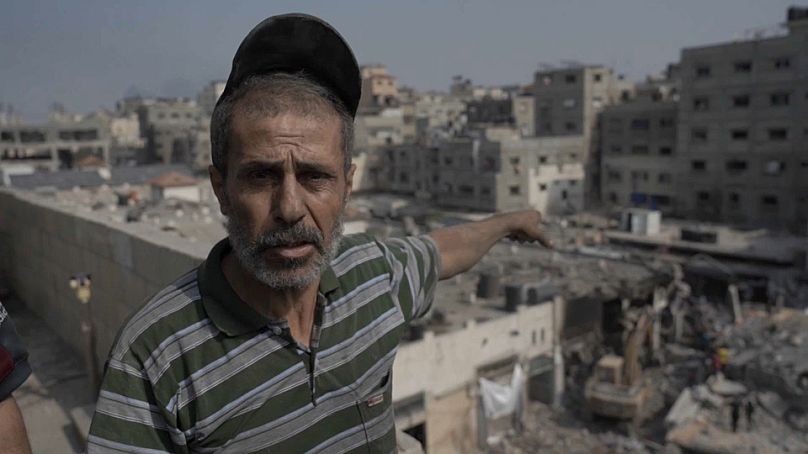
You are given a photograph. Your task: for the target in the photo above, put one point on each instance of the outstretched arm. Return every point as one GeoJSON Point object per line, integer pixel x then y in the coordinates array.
{"type": "Point", "coordinates": [462, 246]}
{"type": "Point", "coordinates": [12, 429]}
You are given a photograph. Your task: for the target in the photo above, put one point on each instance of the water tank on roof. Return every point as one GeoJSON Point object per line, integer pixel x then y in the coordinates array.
{"type": "Point", "coordinates": [489, 284]}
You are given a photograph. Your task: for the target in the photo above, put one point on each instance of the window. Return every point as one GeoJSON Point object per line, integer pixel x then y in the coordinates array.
{"type": "Point", "coordinates": [781, 63]}
{"type": "Point", "coordinates": [572, 183]}
{"type": "Point", "coordinates": [616, 149]}
{"type": "Point", "coordinates": [739, 134]}
{"type": "Point", "coordinates": [780, 98]}
{"type": "Point", "coordinates": [570, 79]}
{"type": "Point", "coordinates": [703, 196]}
{"type": "Point", "coordinates": [640, 124]}
{"type": "Point", "coordinates": [662, 200]}
{"type": "Point", "coordinates": [485, 190]}
{"type": "Point", "coordinates": [666, 122]}
{"type": "Point", "coordinates": [542, 187]}
{"type": "Point", "coordinates": [569, 126]}
{"type": "Point", "coordinates": [736, 166]}
{"type": "Point", "coordinates": [542, 159]}
{"type": "Point", "coordinates": [614, 176]}
{"type": "Point", "coordinates": [639, 175]}
{"type": "Point", "coordinates": [743, 66]}
{"type": "Point", "coordinates": [665, 151]}
{"type": "Point", "coordinates": [734, 199]}
{"type": "Point", "coordinates": [740, 101]}
{"type": "Point", "coordinates": [175, 115]}
{"type": "Point", "coordinates": [702, 71]}
{"type": "Point", "coordinates": [564, 194]}
{"type": "Point", "coordinates": [466, 189]}
{"type": "Point", "coordinates": [597, 77]}
{"type": "Point", "coordinates": [664, 177]}
{"type": "Point", "coordinates": [514, 190]}
{"type": "Point", "coordinates": [698, 135]}
{"type": "Point", "coordinates": [614, 124]}
{"type": "Point", "coordinates": [778, 134]}
{"type": "Point", "coordinates": [774, 167]}
{"type": "Point", "coordinates": [639, 149]}
{"type": "Point", "coordinates": [701, 103]}
{"type": "Point", "coordinates": [769, 201]}
{"type": "Point", "coordinates": [514, 161]}
{"type": "Point", "coordinates": [448, 161]}
{"type": "Point", "coordinates": [404, 177]}
{"type": "Point", "coordinates": [613, 197]}
{"type": "Point", "coordinates": [569, 103]}
{"type": "Point", "coordinates": [698, 165]}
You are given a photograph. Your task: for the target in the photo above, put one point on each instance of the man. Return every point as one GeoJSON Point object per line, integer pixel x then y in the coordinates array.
{"type": "Point", "coordinates": [14, 370]}
{"type": "Point", "coordinates": [283, 340]}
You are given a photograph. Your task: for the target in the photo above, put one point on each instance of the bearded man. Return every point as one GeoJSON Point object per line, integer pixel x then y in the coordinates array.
{"type": "Point", "coordinates": [283, 340]}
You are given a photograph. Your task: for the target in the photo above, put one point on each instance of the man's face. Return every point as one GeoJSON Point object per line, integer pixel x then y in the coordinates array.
{"type": "Point", "coordinates": [284, 195]}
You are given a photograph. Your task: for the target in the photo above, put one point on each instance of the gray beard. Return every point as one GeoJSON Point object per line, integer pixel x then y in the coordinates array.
{"type": "Point", "coordinates": [283, 274]}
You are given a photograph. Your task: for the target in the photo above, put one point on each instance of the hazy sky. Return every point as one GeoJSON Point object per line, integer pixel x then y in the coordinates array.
{"type": "Point", "coordinates": [89, 53]}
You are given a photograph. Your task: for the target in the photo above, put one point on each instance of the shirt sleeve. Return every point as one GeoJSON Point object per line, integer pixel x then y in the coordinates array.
{"type": "Point", "coordinates": [14, 367]}
{"type": "Point", "coordinates": [128, 417]}
{"type": "Point", "coordinates": [415, 269]}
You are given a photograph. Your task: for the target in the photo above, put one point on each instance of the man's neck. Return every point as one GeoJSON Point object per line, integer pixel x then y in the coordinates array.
{"type": "Point", "coordinates": [296, 306]}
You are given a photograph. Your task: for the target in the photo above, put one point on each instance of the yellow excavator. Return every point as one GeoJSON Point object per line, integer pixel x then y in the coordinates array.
{"type": "Point", "coordinates": [616, 389]}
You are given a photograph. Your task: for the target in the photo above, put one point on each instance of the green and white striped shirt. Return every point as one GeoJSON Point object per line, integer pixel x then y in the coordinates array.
{"type": "Point", "coordinates": [198, 370]}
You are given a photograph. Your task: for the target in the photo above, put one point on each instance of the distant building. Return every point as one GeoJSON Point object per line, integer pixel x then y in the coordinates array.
{"type": "Point", "coordinates": [165, 126]}
{"type": "Point", "coordinates": [56, 144]}
{"type": "Point", "coordinates": [379, 88]}
{"type": "Point", "coordinates": [638, 148]}
{"type": "Point", "coordinates": [207, 98]}
{"type": "Point", "coordinates": [483, 175]}
{"type": "Point", "coordinates": [567, 101]}
{"type": "Point", "coordinates": [742, 129]}
{"type": "Point", "coordinates": [524, 113]}
{"type": "Point", "coordinates": [175, 185]}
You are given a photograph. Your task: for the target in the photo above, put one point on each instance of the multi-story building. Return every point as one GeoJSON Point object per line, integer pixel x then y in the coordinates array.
{"type": "Point", "coordinates": [567, 102]}
{"type": "Point", "coordinates": [638, 148]}
{"type": "Point", "coordinates": [165, 125]}
{"type": "Point", "coordinates": [524, 117]}
{"type": "Point", "coordinates": [207, 98]}
{"type": "Point", "coordinates": [58, 143]}
{"type": "Point", "coordinates": [379, 88]}
{"type": "Point", "coordinates": [485, 175]}
{"type": "Point", "coordinates": [743, 131]}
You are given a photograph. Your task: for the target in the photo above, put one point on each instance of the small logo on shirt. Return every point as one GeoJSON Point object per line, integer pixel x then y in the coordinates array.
{"type": "Point", "coordinates": [375, 400]}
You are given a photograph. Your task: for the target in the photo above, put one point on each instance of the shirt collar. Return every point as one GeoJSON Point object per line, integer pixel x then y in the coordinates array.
{"type": "Point", "coordinates": [225, 308]}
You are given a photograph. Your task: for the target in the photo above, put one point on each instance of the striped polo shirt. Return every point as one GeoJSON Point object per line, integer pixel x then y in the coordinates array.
{"type": "Point", "coordinates": [198, 370]}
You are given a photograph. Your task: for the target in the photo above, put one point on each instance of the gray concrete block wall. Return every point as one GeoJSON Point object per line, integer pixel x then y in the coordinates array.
{"type": "Point", "coordinates": [42, 245]}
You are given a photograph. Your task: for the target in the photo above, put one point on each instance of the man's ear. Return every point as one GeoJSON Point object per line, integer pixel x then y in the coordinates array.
{"type": "Point", "coordinates": [217, 181]}
{"type": "Point", "coordinates": [349, 181]}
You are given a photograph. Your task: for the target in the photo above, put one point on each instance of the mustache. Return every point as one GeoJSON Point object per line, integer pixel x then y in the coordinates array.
{"type": "Point", "coordinates": [289, 236]}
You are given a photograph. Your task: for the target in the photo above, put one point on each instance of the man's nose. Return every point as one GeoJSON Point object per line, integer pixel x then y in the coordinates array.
{"type": "Point", "coordinates": [289, 208]}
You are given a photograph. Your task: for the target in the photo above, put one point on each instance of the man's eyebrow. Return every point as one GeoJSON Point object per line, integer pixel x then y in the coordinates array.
{"type": "Point", "coordinates": [277, 166]}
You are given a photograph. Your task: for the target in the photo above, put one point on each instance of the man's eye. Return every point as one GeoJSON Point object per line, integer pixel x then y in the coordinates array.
{"type": "Point", "coordinates": [314, 176]}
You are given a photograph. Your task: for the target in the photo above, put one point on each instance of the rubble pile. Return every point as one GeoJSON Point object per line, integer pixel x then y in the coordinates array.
{"type": "Point", "coordinates": [560, 432]}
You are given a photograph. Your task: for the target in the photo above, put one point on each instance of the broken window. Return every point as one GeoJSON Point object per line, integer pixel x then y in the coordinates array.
{"type": "Point", "coordinates": [639, 149]}
{"type": "Point", "coordinates": [769, 201]}
{"type": "Point", "coordinates": [542, 187]}
{"type": "Point", "coordinates": [698, 165]}
{"type": "Point", "coordinates": [665, 151]}
{"type": "Point", "coordinates": [666, 122]}
{"type": "Point", "coordinates": [698, 135]}
{"type": "Point", "coordinates": [6, 136]}
{"type": "Point", "coordinates": [514, 190]}
{"type": "Point", "coordinates": [702, 196]}
{"type": "Point", "coordinates": [701, 103]}
{"type": "Point", "coordinates": [778, 134]}
{"type": "Point", "coordinates": [570, 78]}
{"type": "Point", "coordinates": [741, 101]}
{"type": "Point", "coordinates": [640, 124]}
{"type": "Point", "coordinates": [564, 194]}
{"type": "Point", "coordinates": [542, 159]}
{"type": "Point", "coordinates": [781, 63]}
{"type": "Point", "coordinates": [739, 134]}
{"type": "Point", "coordinates": [743, 66]}
{"type": "Point", "coordinates": [703, 71]}
{"type": "Point", "coordinates": [569, 126]}
{"type": "Point", "coordinates": [597, 77]}
{"type": "Point", "coordinates": [736, 166]}
{"type": "Point", "coordinates": [780, 98]}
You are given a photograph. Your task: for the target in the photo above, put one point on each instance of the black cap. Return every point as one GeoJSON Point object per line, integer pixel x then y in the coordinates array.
{"type": "Point", "coordinates": [296, 42]}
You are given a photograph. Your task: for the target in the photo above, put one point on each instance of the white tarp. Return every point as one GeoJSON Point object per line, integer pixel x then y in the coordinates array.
{"type": "Point", "coordinates": [501, 400]}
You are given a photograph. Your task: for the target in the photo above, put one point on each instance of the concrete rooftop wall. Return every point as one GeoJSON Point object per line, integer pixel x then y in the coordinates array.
{"type": "Point", "coordinates": [42, 244]}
